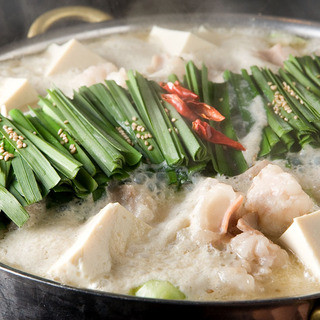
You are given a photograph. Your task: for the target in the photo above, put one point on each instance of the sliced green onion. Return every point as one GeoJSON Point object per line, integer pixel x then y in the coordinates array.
{"type": "Point", "coordinates": [12, 208]}
{"type": "Point", "coordinates": [26, 179]}
{"type": "Point", "coordinates": [105, 155]}
{"type": "Point", "coordinates": [54, 128]}
{"type": "Point", "coordinates": [42, 168]}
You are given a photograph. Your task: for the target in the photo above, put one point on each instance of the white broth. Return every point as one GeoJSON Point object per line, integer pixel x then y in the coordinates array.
{"type": "Point", "coordinates": [182, 245]}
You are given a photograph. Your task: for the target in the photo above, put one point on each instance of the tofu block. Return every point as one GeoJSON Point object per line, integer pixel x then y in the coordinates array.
{"type": "Point", "coordinates": [303, 239]}
{"type": "Point", "coordinates": [72, 55]}
{"type": "Point", "coordinates": [16, 93]}
{"type": "Point", "coordinates": [176, 42]}
{"type": "Point", "coordinates": [102, 240]}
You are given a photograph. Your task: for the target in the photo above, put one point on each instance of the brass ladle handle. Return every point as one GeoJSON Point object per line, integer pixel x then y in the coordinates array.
{"type": "Point", "coordinates": [83, 13]}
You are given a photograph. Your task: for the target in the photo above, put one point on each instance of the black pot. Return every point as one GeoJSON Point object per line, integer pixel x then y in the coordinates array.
{"type": "Point", "coordinates": [24, 296]}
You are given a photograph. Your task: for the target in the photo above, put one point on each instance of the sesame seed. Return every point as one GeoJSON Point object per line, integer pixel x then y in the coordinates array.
{"type": "Point", "coordinates": [146, 143]}
{"type": "Point", "coordinates": [166, 110]}
{"type": "Point", "coordinates": [10, 129]}
{"type": "Point", "coordinates": [173, 120]}
{"type": "Point", "coordinates": [5, 153]}
{"type": "Point", "coordinates": [134, 118]}
{"type": "Point", "coordinates": [126, 123]}
{"type": "Point", "coordinates": [273, 87]}
{"type": "Point", "coordinates": [60, 131]}
{"type": "Point", "coordinates": [6, 158]}
{"type": "Point", "coordinates": [62, 135]}
{"type": "Point", "coordinates": [176, 130]}
{"type": "Point", "coordinates": [1, 157]}
{"type": "Point", "coordinates": [169, 130]}
{"type": "Point", "coordinates": [269, 83]}
{"type": "Point", "coordinates": [62, 142]}
{"type": "Point", "coordinates": [301, 101]}
{"type": "Point", "coordinates": [295, 117]}
{"type": "Point", "coordinates": [5, 127]}
{"type": "Point", "coordinates": [150, 147]}
{"type": "Point", "coordinates": [24, 145]}
{"type": "Point", "coordinates": [139, 128]}
{"type": "Point", "coordinates": [143, 129]}
{"type": "Point", "coordinates": [285, 119]}
{"type": "Point", "coordinates": [21, 137]}
{"type": "Point", "coordinates": [65, 121]}
{"type": "Point", "coordinates": [142, 137]}
{"type": "Point", "coordinates": [138, 135]}
{"type": "Point", "coordinates": [34, 132]}
{"type": "Point", "coordinates": [19, 146]}
{"type": "Point", "coordinates": [71, 146]}
{"type": "Point", "coordinates": [220, 99]}
{"type": "Point", "coordinates": [149, 135]}
{"type": "Point", "coordinates": [308, 88]}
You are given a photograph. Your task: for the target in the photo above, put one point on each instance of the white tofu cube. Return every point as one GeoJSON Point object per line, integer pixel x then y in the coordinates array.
{"type": "Point", "coordinates": [72, 55]}
{"type": "Point", "coordinates": [177, 42]}
{"type": "Point", "coordinates": [303, 239]}
{"type": "Point", "coordinates": [16, 93]}
{"type": "Point", "coordinates": [102, 240]}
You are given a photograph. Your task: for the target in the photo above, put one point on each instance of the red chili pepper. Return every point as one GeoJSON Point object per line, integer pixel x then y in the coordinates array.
{"type": "Point", "coordinates": [206, 132]}
{"type": "Point", "coordinates": [180, 106]}
{"type": "Point", "coordinates": [177, 89]}
{"type": "Point", "coordinates": [205, 111]}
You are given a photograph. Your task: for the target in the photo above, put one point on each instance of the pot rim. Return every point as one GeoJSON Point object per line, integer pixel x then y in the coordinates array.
{"type": "Point", "coordinates": [303, 28]}
{"type": "Point", "coordinates": [232, 303]}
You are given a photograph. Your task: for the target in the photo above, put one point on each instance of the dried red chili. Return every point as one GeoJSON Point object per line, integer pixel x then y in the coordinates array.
{"type": "Point", "coordinates": [180, 106]}
{"type": "Point", "coordinates": [176, 88]}
{"type": "Point", "coordinates": [205, 111]}
{"type": "Point", "coordinates": [206, 132]}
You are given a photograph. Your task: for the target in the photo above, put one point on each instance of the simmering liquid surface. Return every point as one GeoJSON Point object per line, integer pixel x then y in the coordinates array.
{"type": "Point", "coordinates": [174, 249]}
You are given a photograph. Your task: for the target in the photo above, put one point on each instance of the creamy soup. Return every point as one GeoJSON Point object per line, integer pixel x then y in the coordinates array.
{"type": "Point", "coordinates": [217, 238]}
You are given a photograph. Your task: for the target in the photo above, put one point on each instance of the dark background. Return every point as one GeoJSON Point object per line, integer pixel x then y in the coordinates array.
{"type": "Point", "coordinates": [16, 16]}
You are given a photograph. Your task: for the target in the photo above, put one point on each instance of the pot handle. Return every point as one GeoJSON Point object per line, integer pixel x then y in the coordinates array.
{"type": "Point", "coordinates": [315, 315]}
{"type": "Point", "coordinates": [47, 19]}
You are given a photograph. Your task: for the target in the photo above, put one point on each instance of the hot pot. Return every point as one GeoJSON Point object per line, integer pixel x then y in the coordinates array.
{"type": "Point", "coordinates": [24, 296]}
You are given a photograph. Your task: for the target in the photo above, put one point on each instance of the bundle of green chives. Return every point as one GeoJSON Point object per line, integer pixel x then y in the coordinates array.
{"type": "Point", "coordinates": [77, 145]}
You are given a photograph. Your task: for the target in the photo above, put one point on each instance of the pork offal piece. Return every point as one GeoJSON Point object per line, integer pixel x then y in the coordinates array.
{"type": "Point", "coordinates": [257, 253]}
{"type": "Point", "coordinates": [276, 197]}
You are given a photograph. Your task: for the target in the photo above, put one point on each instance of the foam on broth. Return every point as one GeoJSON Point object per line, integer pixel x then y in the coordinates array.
{"type": "Point", "coordinates": [201, 271]}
